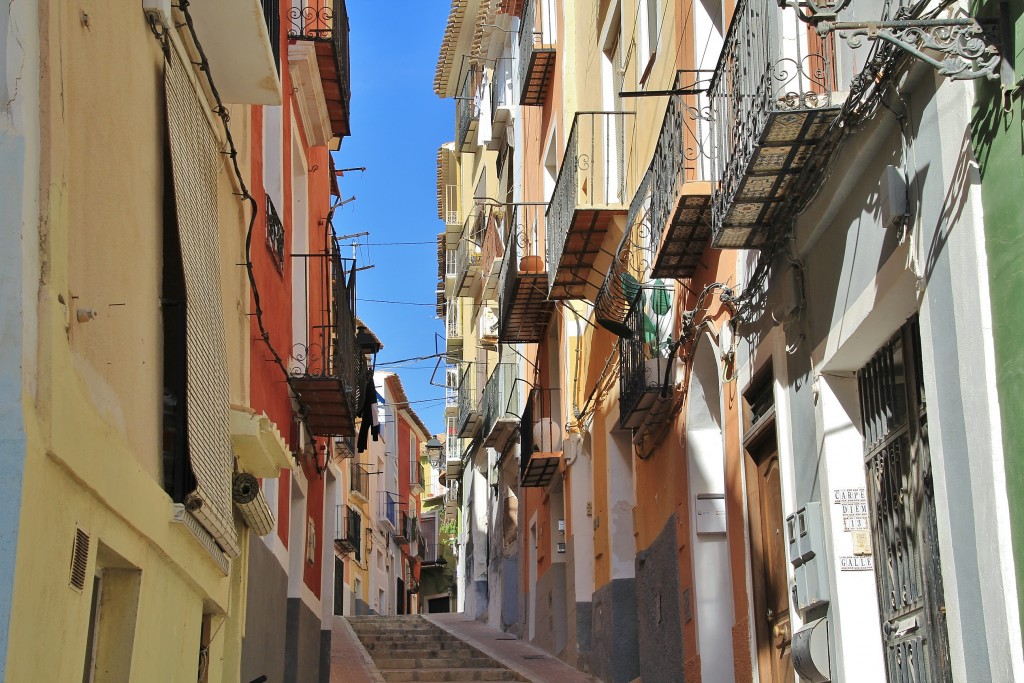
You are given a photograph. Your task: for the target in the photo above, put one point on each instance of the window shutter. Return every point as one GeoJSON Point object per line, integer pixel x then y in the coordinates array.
{"type": "Point", "coordinates": [195, 162]}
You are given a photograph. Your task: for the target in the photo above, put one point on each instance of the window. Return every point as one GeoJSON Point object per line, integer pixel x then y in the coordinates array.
{"type": "Point", "coordinates": [647, 37]}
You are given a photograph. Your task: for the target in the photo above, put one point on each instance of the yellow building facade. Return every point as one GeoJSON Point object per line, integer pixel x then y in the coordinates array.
{"type": "Point", "coordinates": [114, 573]}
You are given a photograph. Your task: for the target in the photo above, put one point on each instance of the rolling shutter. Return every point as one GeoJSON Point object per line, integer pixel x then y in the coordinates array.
{"type": "Point", "coordinates": [195, 162]}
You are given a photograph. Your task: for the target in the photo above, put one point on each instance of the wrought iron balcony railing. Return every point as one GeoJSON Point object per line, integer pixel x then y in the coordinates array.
{"type": "Point", "coordinates": [647, 369]}
{"type": "Point", "coordinates": [589, 193]}
{"type": "Point", "coordinates": [272, 16]}
{"type": "Point", "coordinates": [453, 330]}
{"type": "Point", "coordinates": [431, 552]}
{"type": "Point", "coordinates": [467, 109]}
{"type": "Point", "coordinates": [501, 103]}
{"type": "Point", "coordinates": [389, 509]}
{"type": "Point", "coordinates": [537, 38]}
{"type": "Point", "coordinates": [275, 235]}
{"type": "Point", "coordinates": [325, 22]}
{"type": "Point", "coordinates": [541, 438]}
{"type": "Point", "coordinates": [772, 102]}
{"type": "Point", "coordinates": [669, 222]}
{"type": "Point", "coordinates": [403, 531]}
{"type": "Point", "coordinates": [468, 255]}
{"type": "Point", "coordinates": [469, 402]}
{"type": "Point", "coordinates": [328, 369]}
{"type": "Point", "coordinates": [523, 305]}
{"type": "Point", "coordinates": [359, 481]}
{"type": "Point", "coordinates": [348, 537]}
{"type": "Point", "coordinates": [500, 406]}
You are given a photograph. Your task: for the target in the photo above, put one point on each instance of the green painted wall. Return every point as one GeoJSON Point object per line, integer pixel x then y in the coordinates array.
{"type": "Point", "coordinates": [998, 135]}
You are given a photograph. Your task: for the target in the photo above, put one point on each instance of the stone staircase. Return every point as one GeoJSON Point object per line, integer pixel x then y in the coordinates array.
{"type": "Point", "coordinates": [410, 648]}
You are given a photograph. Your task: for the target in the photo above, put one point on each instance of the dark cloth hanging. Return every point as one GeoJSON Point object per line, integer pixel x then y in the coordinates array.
{"type": "Point", "coordinates": [368, 414]}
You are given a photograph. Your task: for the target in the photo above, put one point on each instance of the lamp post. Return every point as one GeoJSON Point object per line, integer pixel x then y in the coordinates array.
{"type": "Point", "coordinates": [369, 345]}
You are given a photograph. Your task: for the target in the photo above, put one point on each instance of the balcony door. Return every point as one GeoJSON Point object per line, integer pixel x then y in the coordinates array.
{"type": "Point", "coordinates": [613, 133]}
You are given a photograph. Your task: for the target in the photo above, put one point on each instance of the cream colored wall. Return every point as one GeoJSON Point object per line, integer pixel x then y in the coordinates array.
{"type": "Point", "coordinates": [93, 410]}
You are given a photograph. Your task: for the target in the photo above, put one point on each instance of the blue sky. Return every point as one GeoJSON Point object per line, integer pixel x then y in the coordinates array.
{"type": "Point", "coordinates": [397, 125]}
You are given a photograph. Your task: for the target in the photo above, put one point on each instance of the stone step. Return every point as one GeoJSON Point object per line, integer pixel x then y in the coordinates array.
{"type": "Point", "coordinates": [489, 674]}
{"type": "Point", "coordinates": [399, 636]}
{"type": "Point", "coordinates": [428, 662]}
{"type": "Point", "coordinates": [454, 652]}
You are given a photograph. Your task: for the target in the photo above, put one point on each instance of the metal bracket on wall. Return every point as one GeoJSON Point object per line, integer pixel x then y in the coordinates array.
{"type": "Point", "coordinates": [966, 46]}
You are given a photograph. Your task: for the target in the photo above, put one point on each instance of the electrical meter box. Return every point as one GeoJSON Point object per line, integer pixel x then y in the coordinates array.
{"type": "Point", "coordinates": [810, 652]}
{"type": "Point", "coordinates": [806, 535]}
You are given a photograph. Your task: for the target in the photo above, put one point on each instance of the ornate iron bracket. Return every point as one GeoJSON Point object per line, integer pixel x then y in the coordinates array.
{"type": "Point", "coordinates": [967, 49]}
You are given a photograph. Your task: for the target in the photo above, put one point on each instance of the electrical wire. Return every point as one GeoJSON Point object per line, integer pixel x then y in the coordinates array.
{"type": "Point", "coordinates": [401, 303]}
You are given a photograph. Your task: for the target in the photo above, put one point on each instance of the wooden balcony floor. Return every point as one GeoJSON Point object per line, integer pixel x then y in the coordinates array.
{"type": "Point", "coordinates": [583, 242]}
{"type": "Point", "coordinates": [786, 145]}
{"type": "Point", "coordinates": [526, 316]}
{"type": "Point", "coordinates": [538, 77]}
{"type": "Point", "coordinates": [687, 233]}
{"type": "Point", "coordinates": [328, 411]}
{"type": "Point", "coordinates": [541, 469]}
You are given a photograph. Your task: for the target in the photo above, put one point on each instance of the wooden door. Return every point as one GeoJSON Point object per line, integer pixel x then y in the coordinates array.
{"type": "Point", "coordinates": [771, 585]}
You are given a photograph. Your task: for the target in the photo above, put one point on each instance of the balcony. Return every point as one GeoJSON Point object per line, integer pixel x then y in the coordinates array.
{"type": "Point", "coordinates": [431, 553]}
{"type": "Point", "coordinates": [451, 502]}
{"type": "Point", "coordinates": [328, 369]}
{"type": "Point", "coordinates": [240, 38]}
{"type": "Point", "coordinates": [469, 403]}
{"type": "Point", "coordinates": [668, 224]}
{"type": "Point", "coordinates": [648, 372]}
{"type": "Point", "coordinates": [451, 391]}
{"type": "Point", "coordinates": [468, 255]}
{"type": "Point", "coordinates": [523, 305]}
{"type": "Point", "coordinates": [324, 24]}
{"type": "Point", "coordinates": [348, 532]}
{"type": "Point", "coordinates": [588, 201]}
{"type": "Point", "coordinates": [416, 477]}
{"type": "Point", "coordinates": [772, 100]}
{"type": "Point", "coordinates": [359, 482]}
{"type": "Point", "coordinates": [541, 443]}
{"type": "Point", "coordinates": [404, 532]}
{"type": "Point", "coordinates": [501, 104]}
{"type": "Point", "coordinates": [537, 38]}
{"type": "Point", "coordinates": [500, 407]}
{"type": "Point", "coordinates": [492, 249]}
{"type": "Point", "coordinates": [345, 448]}
{"type": "Point", "coordinates": [453, 449]}
{"type": "Point", "coordinates": [467, 110]}
{"type": "Point", "coordinates": [453, 332]}
{"type": "Point", "coordinates": [387, 514]}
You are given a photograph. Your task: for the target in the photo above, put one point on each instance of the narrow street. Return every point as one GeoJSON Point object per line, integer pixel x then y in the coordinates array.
{"type": "Point", "coordinates": [438, 647]}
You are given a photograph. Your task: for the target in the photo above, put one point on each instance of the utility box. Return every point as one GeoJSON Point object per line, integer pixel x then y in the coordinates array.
{"type": "Point", "coordinates": [807, 555]}
{"type": "Point", "coordinates": [810, 652]}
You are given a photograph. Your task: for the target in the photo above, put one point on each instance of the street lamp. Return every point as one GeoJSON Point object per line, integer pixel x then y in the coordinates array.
{"type": "Point", "coordinates": [368, 344]}
{"type": "Point", "coordinates": [435, 452]}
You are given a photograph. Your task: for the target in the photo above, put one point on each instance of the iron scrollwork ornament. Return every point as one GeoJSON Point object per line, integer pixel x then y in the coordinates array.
{"type": "Point", "coordinates": [966, 49]}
